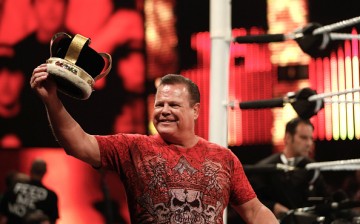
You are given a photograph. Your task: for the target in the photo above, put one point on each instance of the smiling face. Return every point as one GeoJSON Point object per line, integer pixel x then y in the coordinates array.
{"type": "Point", "coordinates": [174, 116]}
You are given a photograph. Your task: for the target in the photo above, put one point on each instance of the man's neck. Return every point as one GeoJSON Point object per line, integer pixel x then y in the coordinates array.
{"type": "Point", "coordinates": [188, 142]}
{"type": "Point", "coordinates": [36, 178]}
{"type": "Point", "coordinates": [288, 154]}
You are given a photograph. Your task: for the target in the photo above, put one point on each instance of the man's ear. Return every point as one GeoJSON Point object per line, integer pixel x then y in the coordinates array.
{"type": "Point", "coordinates": [287, 138]}
{"type": "Point", "coordinates": [196, 109]}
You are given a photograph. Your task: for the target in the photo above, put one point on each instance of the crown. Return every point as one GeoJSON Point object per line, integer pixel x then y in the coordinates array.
{"type": "Point", "coordinates": [75, 66]}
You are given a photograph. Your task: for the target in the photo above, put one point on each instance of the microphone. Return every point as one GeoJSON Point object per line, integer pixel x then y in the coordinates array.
{"type": "Point", "coordinates": [321, 209]}
{"type": "Point", "coordinates": [324, 209]}
{"type": "Point", "coordinates": [339, 201]}
{"type": "Point", "coordinates": [298, 100]}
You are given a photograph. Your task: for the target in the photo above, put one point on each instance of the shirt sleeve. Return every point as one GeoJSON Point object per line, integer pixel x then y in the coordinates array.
{"type": "Point", "coordinates": [241, 190]}
{"type": "Point", "coordinates": [114, 149]}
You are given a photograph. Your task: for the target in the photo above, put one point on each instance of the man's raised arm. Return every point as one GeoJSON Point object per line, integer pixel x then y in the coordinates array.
{"type": "Point", "coordinates": [67, 131]}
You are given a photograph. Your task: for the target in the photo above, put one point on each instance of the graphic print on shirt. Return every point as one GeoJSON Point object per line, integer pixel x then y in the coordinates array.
{"type": "Point", "coordinates": [157, 166]}
{"type": "Point", "coordinates": [183, 193]}
{"type": "Point", "coordinates": [26, 197]}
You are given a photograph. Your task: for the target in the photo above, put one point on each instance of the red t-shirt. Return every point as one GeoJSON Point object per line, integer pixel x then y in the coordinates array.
{"type": "Point", "coordinates": [169, 184]}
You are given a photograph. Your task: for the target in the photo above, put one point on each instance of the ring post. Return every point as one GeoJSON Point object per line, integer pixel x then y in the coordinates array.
{"type": "Point", "coordinates": [220, 34]}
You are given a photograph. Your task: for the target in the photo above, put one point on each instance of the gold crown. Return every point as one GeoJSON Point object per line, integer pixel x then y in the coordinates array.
{"type": "Point", "coordinates": [75, 66]}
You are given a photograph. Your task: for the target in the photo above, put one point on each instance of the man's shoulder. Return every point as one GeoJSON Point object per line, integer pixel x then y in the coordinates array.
{"type": "Point", "coordinates": [215, 149]}
{"type": "Point", "coordinates": [273, 158]}
{"type": "Point", "coordinates": [50, 192]}
{"type": "Point", "coordinates": [302, 161]}
{"type": "Point", "coordinates": [211, 145]}
{"type": "Point", "coordinates": [131, 138]}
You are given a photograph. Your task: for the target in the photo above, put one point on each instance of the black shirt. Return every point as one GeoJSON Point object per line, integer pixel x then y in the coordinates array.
{"type": "Point", "coordinates": [24, 198]}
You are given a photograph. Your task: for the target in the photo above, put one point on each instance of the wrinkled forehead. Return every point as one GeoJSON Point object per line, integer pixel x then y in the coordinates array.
{"type": "Point", "coordinates": [172, 90]}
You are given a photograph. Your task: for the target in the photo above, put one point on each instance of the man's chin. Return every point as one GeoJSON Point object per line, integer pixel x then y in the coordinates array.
{"type": "Point", "coordinates": [165, 131]}
{"type": "Point", "coordinates": [305, 154]}
{"type": "Point", "coordinates": [166, 126]}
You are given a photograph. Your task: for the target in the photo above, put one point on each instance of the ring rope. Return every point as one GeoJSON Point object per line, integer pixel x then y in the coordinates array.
{"type": "Point", "coordinates": [336, 26]}
{"type": "Point", "coordinates": [350, 164]}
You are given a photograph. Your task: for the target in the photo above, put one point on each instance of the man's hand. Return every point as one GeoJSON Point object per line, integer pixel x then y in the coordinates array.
{"type": "Point", "coordinates": [280, 210]}
{"type": "Point", "coordinates": [42, 83]}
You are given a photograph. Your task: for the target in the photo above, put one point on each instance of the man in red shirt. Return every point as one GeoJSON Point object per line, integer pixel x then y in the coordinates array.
{"type": "Point", "coordinates": [172, 177]}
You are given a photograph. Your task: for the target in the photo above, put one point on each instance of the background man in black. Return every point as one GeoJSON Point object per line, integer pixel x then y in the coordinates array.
{"type": "Point", "coordinates": [11, 87]}
{"type": "Point", "coordinates": [34, 49]}
{"type": "Point", "coordinates": [281, 191]}
{"type": "Point", "coordinates": [23, 199]}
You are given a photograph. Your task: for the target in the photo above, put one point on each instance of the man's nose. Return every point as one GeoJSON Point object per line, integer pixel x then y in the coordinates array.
{"type": "Point", "coordinates": [165, 109]}
{"type": "Point", "coordinates": [310, 142]}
